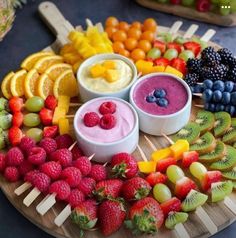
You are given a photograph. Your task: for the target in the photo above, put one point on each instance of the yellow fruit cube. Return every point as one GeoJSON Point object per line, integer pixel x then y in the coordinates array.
{"type": "Point", "coordinates": [75, 66]}
{"type": "Point", "coordinates": [58, 113]}
{"type": "Point", "coordinates": [179, 147]}
{"type": "Point", "coordinates": [174, 71]}
{"type": "Point", "coordinates": [143, 66]}
{"type": "Point", "coordinates": [161, 154]}
{"type": "Point", "coordinates": [64, 126]}
{"type": "Point", "coordinates": [111, 75]}
{"type": "Point", "coordinates": [64, 102]}
{"type": "Point", "coordinates": [97, 70]}
{"type": "Point", "coordinates": [147, 166]}
{"type": "Point", "coordinates": [109, 64]}
{"type": "Point", "coordinates": [158, 68]}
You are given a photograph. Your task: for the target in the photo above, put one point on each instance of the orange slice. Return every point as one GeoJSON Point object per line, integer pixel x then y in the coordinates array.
{"type": "Point", "coordinates": [44, 63]}
{"type": "Point", "coordinates": [56, 69]}
{"type": "Point", "coordinates": [45, 86]}
{"type": "Point", "coordinates": [30, 61]}
{"type": "Point", "coordinates": [17, 83]}
{"type": "Point", "coordinates": [30, 83]}
{"type": "Point", "coordinates": [6, 85]}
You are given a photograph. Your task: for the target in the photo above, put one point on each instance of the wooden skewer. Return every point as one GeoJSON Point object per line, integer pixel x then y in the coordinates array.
{"type": "Point", "coordinates": [44, 206]}
{"type": "Point", "coordinates": [199, 106]}
{"type": "Point", "coordinates": [190, 32]}
{"type": "Point", "coordinates": [153, 147]}
{"type": "Point", "coordinates": [208, 35]}
{"type": "Point", "coordinates": [175, 27]}
{"type": "Point", "coordinates": [197, 94]}
{"type": "Point", "coordinates": [21, 189]}
{"type": "Point", "coordinates": [74, 104]}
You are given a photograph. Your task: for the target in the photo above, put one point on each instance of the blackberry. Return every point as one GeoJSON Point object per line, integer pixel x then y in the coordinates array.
{"type": "Point", "coordinates": [194, 65]}
{"type": "Point", "coordinates": [232, 63]}
{"type": "Point", "coordinates": [191, 79]}
{"type": "Point", "coordinates": [218, 72]}
{"type": "Point", "coordinates": [232, 75]}
{"type": "Point", "coordinates": [210, 57]}
{"type": "Point", "coordinates": [226, 56]}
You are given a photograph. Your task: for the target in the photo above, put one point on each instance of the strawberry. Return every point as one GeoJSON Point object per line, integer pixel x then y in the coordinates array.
{"type": "Point", "coordinates": [46, 116]}
{"type": "Point", "coordinates": [16, 104]}
{"type": "Point", "coordinates": [163, 164]}
{"type": "Point", "coordinates": [50, 131]}
{"type": "Point", "coordinates": [179, 64]}
{"type": "Point", "coordinates": [189, 157]}
{"type": "Point", "coordinates": [209, 178]}
{"type": "Point", "coordinates": [124, 165]}
{"type": "Point", "coordinates": [171, 205]}
{"type": "Point", "coordinates": [183, 187]}
{"type": "Point", "coordinates": [162, 62]}
{"type": "Point", "coordinates": [173, 45]}
{"type": "Point", "coordinates": [14, 135]}
{"type": "Point", "coordinates": [156, 177]}
{"type": "Point", "coordinates": [17, 119]}
{"type": "Point", "coordinates": [135, 188]}
{"type": "Point", "coordinates": [111, 215]}
{"type": "Point", "coordinates": [50, 102]}
{"type": "Point", "coordinates": [160, 45]}
{"type": "Point", "coordinates": [145, 216]}
{"type": "Point", "coordinates": [203, 5]}
{"type": "Point", "coordinates": [193, 46]}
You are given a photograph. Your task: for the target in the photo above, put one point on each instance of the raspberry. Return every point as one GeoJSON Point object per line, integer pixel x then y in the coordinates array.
{"type": "Point", "coordinates": [48, 144]}
{"type": "Point", "coordinates": [63, 156]}
{"type": "Point", "coordinates": [50, 102]}
{"type": "Point", "coordinates": [72, 176]}
{"type": "Point", "coordinates": [26, 144]}
{"type": "Point", "coordinates": [83, 164]}
{"type": "Point", "coordinates": [91, 119]}
{"type": "Point", "coordinates": [61, 188]}
{"type": "Point", "coordinates": [37, 155]}
{"type": "Point", "coordinates": [108, 121]}
{"type": "Point", "coordinates": [30, 175]}
{"type": "Point", "coordinates": [76, 152]}
{"type": "Point", "coordinates": [98, 172]}
{"type": "Point", "coordinates": [75, 197]}
{"type": "Point", "coordinates": [25, 167]}
{"type": "Point", "coordinates": [14, 157]}
{"type": "Point", "coordinates": [52, 169]}
{"type": "Point", "coordinates": [41, 181]}
{"type": "Point", "coordinates": [87, 186]}
{"type": "Point", "coordinates": [12, 174]}
{"type": "Point", "coordinates": [2, 162]}
{"type": "Point", "coordinates": [64, 141]}
{"type": "Point", "coordinates": [107, 108]}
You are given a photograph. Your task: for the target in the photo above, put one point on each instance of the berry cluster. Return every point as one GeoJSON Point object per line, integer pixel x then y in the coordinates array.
{"type": "Point", "coordinates": [158, 97]}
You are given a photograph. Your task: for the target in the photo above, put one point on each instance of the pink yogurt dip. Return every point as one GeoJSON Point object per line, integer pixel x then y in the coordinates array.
{"type": "Point", "coordinates": [125, 122]}
{"type": "Point", "coordinates": [176, 95]}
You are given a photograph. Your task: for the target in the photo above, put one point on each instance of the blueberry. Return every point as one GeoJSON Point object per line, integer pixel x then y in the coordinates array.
{"type": "Point", "coordinates": [229, 86]}
{"type": "Point", "coordinates": [207, 84]}
{"type": "Point", "coordinates": [198, 88]}
{"type": "Point", "coordinates": [230, 109]}
{"type": "Point", "coordinates": [219, 85]}
{"type": "Point", "coordinates": [162, 102]}
{"type": "Point", "coordinates": [207, 95]}
{"type": "Point", "coordinates": [233, 98]}
{"type": "Point", "coordinates": [217, 96]}
{"type": "Point", "coordinates": [225, 98]}
{"type": "Point", "coordinates": [219, 107]}
{"type": "Point", "coordinates": [209, 107]}
{"type": "Point", "coordinates": [159, 93]}
{"type": "Point", "coordinates": [151, 98]}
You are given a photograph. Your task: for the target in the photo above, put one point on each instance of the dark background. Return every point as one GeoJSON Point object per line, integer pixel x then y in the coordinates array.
{"type": "Point", "coordinates": [29, 34]}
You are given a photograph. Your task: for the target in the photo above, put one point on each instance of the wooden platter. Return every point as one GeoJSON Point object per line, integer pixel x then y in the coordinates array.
{"type": "Point", "coordinates": [190, 13]}
{"type": "Point", "coordinates": [221, 215]}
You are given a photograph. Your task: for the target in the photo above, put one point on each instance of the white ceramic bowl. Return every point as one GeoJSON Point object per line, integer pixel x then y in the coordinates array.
{"type": "Point", "coordinates": [104, 151]}
{"type": "Point", "coordinates": [87, 94]}
{"type": "Point", "coordinates": [163, 124]}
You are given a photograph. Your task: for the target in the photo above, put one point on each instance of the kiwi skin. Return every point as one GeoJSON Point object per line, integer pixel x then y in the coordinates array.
{"type": "Point", "coordinates": [230, 174]}
{"type": "Point", "coordinates": [220, 190]}
{"type": "Point", "coordinates": [230, 136]}
{"type": "Point", "coordinates": [222, 117]}
{"type": "Point", "coordinates": [175, 218]}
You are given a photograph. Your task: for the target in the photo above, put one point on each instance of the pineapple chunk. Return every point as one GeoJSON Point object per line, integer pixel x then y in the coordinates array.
{"type": "Point", "coordinates": [97, 70]}
{"type": "Point", "coordinates": [58, 113]}
{"type": "Point", "coordinates": [109, 64]}
{"type": "Point", "coordinates": [158, 68]}
{"type": "Point", "coordinates": [111, 75]}
{"type": "Point", "coordinates": [64, 126]}
{"type": "Point", "coordinates": [147, 167]}
{"type": "Point", "coordinates": [64, 102]}
{"type": "Point", "coordinates": [174, 71]}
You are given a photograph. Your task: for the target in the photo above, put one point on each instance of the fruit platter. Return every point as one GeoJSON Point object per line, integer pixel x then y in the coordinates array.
{"type": "Point", "coordinates": [121, 129]}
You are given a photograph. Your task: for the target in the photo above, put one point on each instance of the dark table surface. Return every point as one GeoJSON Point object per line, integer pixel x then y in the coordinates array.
{"type": "Point", "coordinates": [29, 34]}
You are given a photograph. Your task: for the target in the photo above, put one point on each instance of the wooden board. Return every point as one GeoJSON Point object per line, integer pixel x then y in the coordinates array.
{"type": "Point", "coordinates": [218, 212]}
{"type": "Point", "coordinates": [190, 13]}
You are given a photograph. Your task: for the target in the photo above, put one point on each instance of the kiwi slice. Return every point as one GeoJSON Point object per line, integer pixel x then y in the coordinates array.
{"type": "Point", "coordinates": [234, 185]}
{"type": "Point", "coordinates": [190, 132]}
{"type": "Point", "coordinates": [230, 174]}
{"type": "Point", "coordinates": [205, 120]}
{"type": "Point", "coordinates": [215, 155]}
{"type": "Point", "coordinates": [233, 122]}
{"type": "Point", "coordinates": [227, 162]}
{"type": "Point", "coordinates": [205, 144]}
{"type": "Point", "coordinates": [230, 136]}
{"type": "Point", "coordinates": [4, 142]}
{"type": "Point", "coordinates": [193, 200]}
{"type": "Point", "coordinates": [222, 123]}
{"type": "Point", "coordinates": [5, 120]}
{"type": "Point", "coordinates": [220, 190]}
{"type": "Point", "coordinates": [175, 218]}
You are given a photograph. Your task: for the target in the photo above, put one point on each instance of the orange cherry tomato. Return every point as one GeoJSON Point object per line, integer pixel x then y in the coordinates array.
{"type": "Point", "coordinates": [110, 30]}
{"type": "Point", "coordinates": [112, 21]}
{"type": "Point", "coordinates": [147, 35]}
{"type": "Point", "coordinates": [123, 25]}
{"type": "Point", "coordinates": [137, 54]}
{"type": "Point", "coordinates": [149, 25]}
{"type": "Point", "coordinates": [117, 46]}
{"type": "Point", "coordinates": [119, 36]}
{"type": "Point", "coordinates": [137, 25]}
{"type": "Point", "coordinates": [130, 43]}
{"type": "Point", "coordinates": [124, 52]}
{"type": "Point", "coordinates": [145, 45]}
{"type": "Point", "coordinates": [134, 33]}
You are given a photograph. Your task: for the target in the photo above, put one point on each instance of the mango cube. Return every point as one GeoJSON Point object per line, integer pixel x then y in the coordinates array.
{"type": "Point", "coordinates": [109, 64]}
{"type": "Point", "coordinates": [147, 166]}
{"type": "Point", "coordinates": [179, 147]}
{"type": "Point", "coordinates": [64, 102]}
{"type": "Point", "coordinates": [59, 112]}
{"type": "Point", "coordinates": [97, 70]}
{"type": "Point", "coordinates": [158, 68]}
{"type": "Point", "coordinates": [143, 66]}
{"type": "Point", "coordinates": [174, 71]}
{"type": "Point", "coordinates": [111, 75]}
{"type": "Point", "coordinates": [161, 154]}
{"type": "Point", "coordinates": [64, 126]}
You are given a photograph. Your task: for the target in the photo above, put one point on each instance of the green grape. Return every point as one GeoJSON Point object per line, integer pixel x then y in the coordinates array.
{"type": "Point", "coordinates": [186, 54]}
{"type": "Point", "coordinates": [154, 53]}
{"type": "Point", "coordinates": [180, 40]}
{"type": "Point", "coordinates": [161, 193]}
{"type": "Point", "coordinates": [34, 104]}
{"type": "Point", "coordinates": [215, 2]}
{"type": "Point", "coordinates": [171, 54]}
{"type": "Point", "coordinates": [197, 170]}
{"type": "Point", "coordinates": [233, 6]}
{"type": "Point", "coordinates": [187, 2]}
{"type": "Point", "coordinates": [31, 120]}
{"type": "Point", "coordinates": [174, 173]}
{"type": "Point", "coordinates": [35, 133]}
{"type": "Point", "coordinates": [224, 11]}
{"type": "Point", "coordinates": [163, 1]}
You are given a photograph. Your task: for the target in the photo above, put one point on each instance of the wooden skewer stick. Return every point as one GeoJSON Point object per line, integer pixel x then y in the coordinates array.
{"type": "Point", "coordinates": [168, 139]}
{"type": "Point", "coordinates": [175, 27]}
{"type": "Point", "coordinates": [199, 106]}
{"type": "Point", "coordinates": [44, 206]}
{"type": "Point", "coordinates": [197, 94]}
{"type": "Point", "coordinates": [74, 104]}
{"type": "Point", "coordinates": [190, 32]}
{"type": "Point", "coordinates": [153, 147]}
{"type": "Point", "coordinates": [64, 214]}
{"type": "Point", "coordinates": [142, 154]}
{"type": "Point", "coordinates": [28, 200]}
{"type": "Point", "coordinates": [208, 35]}
{"type": "Point", "coordinates": [70, 116]}
{"type": "Point", "coordinates": [22, 188]}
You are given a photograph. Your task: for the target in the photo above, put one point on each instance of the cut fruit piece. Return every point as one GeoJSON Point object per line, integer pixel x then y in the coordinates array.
{"type": "Point", "coordinates": [205, 120]}
{"type": "Point", "coordinates": [218, 153]}
{"type": "Point", "coordinates": [234, 184]}
{"type": "Point", "coordinates": [172, 205]}
{"type": "Point", "coordinates": [189, 157]}
{"type": "Point", "coordinates": [222, 123]}
{"type": "Point", "coordinates": [17, 83]}
{"type": "Point", "coordinates": [155, 178]}
{"type": "Point", "coordinates": [205, 144]}
{"type": "Point", "coordinates": [230, 174]}
{"type": "Point", "coordinates": [230, 136]}
{"type": "Point", "coordinates": [178, 148]}
{"type": "Point", "coordinates": [161, 154]}
{"type": "Point", "coordinates": [227, 162]}
{"type": "Point", "coordinates": [190, 132]}
{"type": "Point", "coordinates": [198, 170]}
{"type": "Point", "coordinates": [163, 164]}
{"type": "Point", "coordinates": [175, 218]}
{"type": "Point", "coordinates": [30, 83]}
{"type": "Point", "coordinates": [6, 85]}
{"type": "Point", "coordinates": [209, 178]}
{"type": "Point", "coordinates": [64, 126]}
{"type": "Point", "coordinates": [45, 86]}
{"type": "Point", "coordinates": [30, 61]}
{"type": "Point", "coordinates": [174, 173]}
{"type": "Point", "coordinates": [147, 167]}
{"type": "Point", "coordinates": [55, 70]}
{"type": "Point", "coordinates": [183, 187]}
{"type": "Point", "coordinates": [233, 122]}
{"type": "Point", "coordinates": [220, 190]}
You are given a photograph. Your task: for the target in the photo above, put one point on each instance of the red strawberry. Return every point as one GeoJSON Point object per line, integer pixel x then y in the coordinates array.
{"type": "Point", "coordinates": [63, 156]}
{"type": "Point", "coordinates": [61, 188]}
{"type": "Point", "coordinates": [64, 141]}
{"type": "Point", "coordinates": [160, 45]}
{"type": "Point", "coordinates": [135, 188]}
{"type": "Point", "coordinates": [98, 172]}
{"type": "Point", "coordinates": [72, 176]}
{"type": "Point", "coordinates": [193, 46]}
{"type": "Point", "coordinates": [124, 165]}
{"type": "Point", "coordinates": [189, 157]}
{"type": "Point", "coordinates": [91, 119]}
{"type": "Point", "coordinates": [48, 144]}
{"type": "Point", "coordinates": [179, 64]}
{"type": "Point", "coordinates": [46, 116]}
{"type": "Point", "coordinates": [162, 62]}
{"type": "Point", "coordinates": [176, 46]}
{"type": "Point", "coordinates": [52, 169]}
{"type": "Point", "coordinates": [111, 215]}
{"type": "Point", "coordinates": [15, 134]}
{"type": "Point", "coordinates": [14, 157]}
{"type": "Point", "coordinates": [172, 205]}
{"type": "Point", "coordinates": [75, 197]}
{"type": "Point", "coordinates": [27, 144]}
{"type": "Point", "coordinates": [156, 177]}
{"type": "Point", "coordinates": [163, 164]}
{"type": "Point", "coordinates": [76, 152]}
{"type": "Point", "coordinates": [203, 5]}
{"type": "Point", "coordinates": [183, 187]}
{"type": "Point", "coordinates": [50, 131]}
{"type": "Point", "coordinates": [41, 181]}
{"type": "Point", "coordinates": [2, 162]}
{"type": "Point", "coordinates": [209, 178]}
{"type": "Point", "coordinates": [50, 102]}
{"type": "Point", "coordinates": [107, 108]}
{"type": "Point", "coordinates": [16, 104]}
{"type": "Point", "coordinates": [107, 121]}
{"type": "Point", "coordinates": [17, 119]}
{"type": "Point", "coordinates": [108, 188]}
{"type": "Point", "coordinates": [12, 174]}
{"type": "Point", "coordinates": [145, 211]}
{"type": "Point", "coordinates": [87, 186]}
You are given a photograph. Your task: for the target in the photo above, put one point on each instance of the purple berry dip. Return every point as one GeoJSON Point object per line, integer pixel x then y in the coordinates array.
{"type": "Point", "coordinates": [176, 94]}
